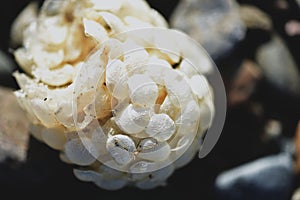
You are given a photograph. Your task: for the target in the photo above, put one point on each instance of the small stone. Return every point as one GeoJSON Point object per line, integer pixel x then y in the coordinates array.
{"type": "Point", "coordinates": [215, 24]}
{"type": "Point", "coordinates": [255, 18]}
{"type": "Point", "coordinates": [271, 57]}
{"type": "Point", "coordinates": [14, 128]}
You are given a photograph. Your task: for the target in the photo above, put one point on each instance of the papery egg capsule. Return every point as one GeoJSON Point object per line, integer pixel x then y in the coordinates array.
{"type": "Point", "coordinates": [150, 149]}
{"type": "Point", "coordinates": [133, 120]}
{"type": "Point", "coordinates": [80, 153]}
{"type": "Point", "coordinates": [99, 179]}
{"type": "Point", "coordinates": [143, 90]}
{"type": "Point", "coordinates": [161, 127]}
{"type": "Point", "coordinates": [121, 148]}
{"type": "Point", "coordinates": [156, 178]}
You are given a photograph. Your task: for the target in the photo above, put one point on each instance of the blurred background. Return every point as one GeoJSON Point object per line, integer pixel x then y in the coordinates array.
{"type": "Point", "coordinates": [256, 46]}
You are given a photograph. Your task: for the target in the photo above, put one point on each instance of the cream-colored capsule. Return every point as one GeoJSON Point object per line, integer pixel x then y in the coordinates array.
{"type": "Point", "coordinates": [113, 22]}
{"type": "Point", "coordinates": [79, 153]}
{"type": "Point", "coordinates": [161, 127]}
{"type": "Point", "coordinates": [100, 180]}
{"type": "Point", "coordinates": [94, 30]}
{"type": "Point", "coordinates": [143, 90]}
{"type": "Point", "coordinates": [150, 149]}
{"type": "Point", "coordinates": [199, 85]}
{"type": "Point", "coordinates": [133, 120]}
{"type": "Point", "coordinates": [189, 118]}
{"type": "Point", "coordinates": [57, 77]}
{"type": "Point", "coordinates": [121, 148]}
{"type": "Point", "coordinates": [116, 74]}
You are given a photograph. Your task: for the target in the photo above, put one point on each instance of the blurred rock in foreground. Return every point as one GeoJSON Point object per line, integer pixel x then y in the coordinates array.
{"type": "Point", "coordinates": [279, 66]}
{"type": "Point", "coordinates": [215, 24]}
{"type": "Point", "coordinates": [13, 128]}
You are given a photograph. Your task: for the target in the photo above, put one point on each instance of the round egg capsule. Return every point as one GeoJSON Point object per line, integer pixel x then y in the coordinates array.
{"type": "Point", "coordinates": [161, 127]}
{"type": "Point", "coordinates": [133, 120]}
{"type": "Point", "coordinates": [79, 153]}
{"type": "Point", "coordinates": [199, 85]}
{"type": "Point", "coordinates": [189, 118]}
{"type": "Point", "coordinates": [100, 180]}
{"type": "Point", "coordinates": [150, 149]}
{"type": "Point", "coordinates": [143, 90]}
{"type": "Point", "coordinates": [156, 178]}
{"type": "Point", "coordinates": [121, 149]}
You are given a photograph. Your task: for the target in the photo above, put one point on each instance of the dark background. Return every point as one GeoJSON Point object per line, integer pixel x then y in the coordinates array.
{"type": "Point", "coordinates": [44, 175]}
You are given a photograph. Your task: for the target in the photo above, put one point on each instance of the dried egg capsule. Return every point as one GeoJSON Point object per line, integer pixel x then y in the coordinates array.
{"type": "Point", "coordinates": [143, 90]}
{"type": "Point", "coordinates": [133, 120]}
{"type": "Point", "coordinates": [199, 85]}
{"type": "Point", "coordinates": [79, 153]}
{"type": "Point", "coordinates": [100, 180]}
{"type": "Point", "coordinates": [121, 148]}
{"type": "Point", "coordinates": [150, 149]}
{"type": "Point", "coordinates": [161, 127]}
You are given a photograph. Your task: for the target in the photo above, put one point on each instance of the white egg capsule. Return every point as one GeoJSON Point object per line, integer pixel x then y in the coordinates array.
{"type": "Point", "coordinates": [199, 85]}
{"type": "Point", "coordinates": [161, 127]}
{"type": "Point", "coordinates": [100, 180]}
{"type": "Point", "coordinates": [116, 78]}
{"type": "Point", "coordinates": [121, 149]}
{"type": "Point", "coordinates": [150, 149]}
{"type": "Point", "coordinates": [143, 90]}
{"type": "Point", "coordinates": [133, 120]}
{"type": "Point", "coordinates": [79, 153]}
{"type": "Point", "coordinates": [178, 89]}
{"type": "Point", "coordinates": [189, 119]}
{"type": "Point", "coordinates": [94, 30]}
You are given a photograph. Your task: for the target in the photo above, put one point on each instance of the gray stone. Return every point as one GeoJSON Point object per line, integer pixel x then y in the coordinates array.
{"type": "Point", "coordinates": [279, 66]}
{"type": "Point", "coordinates": [14, 128]}
{"type": "Point", "coordinates": [215, 24]}
{"type": "Point", "coordinates": [267, 178]}
{"type": "Point", "coordinates": [6, 64]}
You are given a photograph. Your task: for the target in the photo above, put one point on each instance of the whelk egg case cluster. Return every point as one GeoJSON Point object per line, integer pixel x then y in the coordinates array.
{"type": "Point", "coordinates": [121, 96]}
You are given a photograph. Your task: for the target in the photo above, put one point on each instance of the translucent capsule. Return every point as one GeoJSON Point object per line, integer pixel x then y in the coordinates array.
{"type": "Point", "coordinates": [169, 108]}
{"type": "Point", "coordinates": [161, 127]}
{"type": "Point", "coordinates": [156, 68]}
{"type": "Point", "coordinates": [41, 111]}
{"type": "Point", "coordinates": [156, 178]}
{"type": "Point", "coordinates": [54, 137]}
{"type": "Point", "coordinates": [99, 180]}
{"type": "Point", "coordinates": [189, 119]}
{"type": "Point", "coordinates": [199, 85]}
{"type": "Point", "coordinates": [187, 156]}
{"type": "Point", "coordinates": [178, 89]}
{"type": "Point", "coordinates": [206, 113]}
{"type": "Point", "coordinates": [79, 153]}
{"type": "Point", "coordinates": [103, 103]}
{"type": "Point", "coordinates": [134, 54]}
{"type": "Point", "coordinates": [143, 90]}
{"type": "Point", "coordinates": [133, 120]}
{"type": "Point", "coordinates": [150, 149]}
{"type": "Point", "coordinates": [116, 74]}
{"type": "Point", "coordinates": [121, 148]}
{"type": "Point", "coordinates": [115, 25]}
{"type": "Point", "coordinates": [95, 30]}
{"type": "Point", "coordinates": [141, 170]}
{"type": "Point", "coordinates": [187, 68]}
